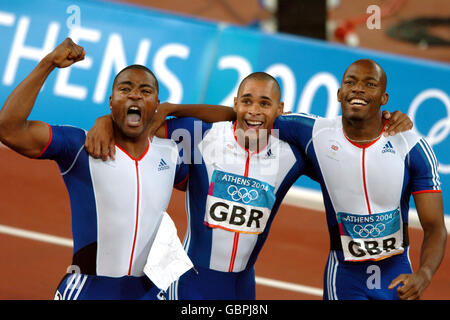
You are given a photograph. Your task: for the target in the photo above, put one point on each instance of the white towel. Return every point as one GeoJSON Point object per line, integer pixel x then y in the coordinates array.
{"type": "Point", "coordinates": [167, 260]}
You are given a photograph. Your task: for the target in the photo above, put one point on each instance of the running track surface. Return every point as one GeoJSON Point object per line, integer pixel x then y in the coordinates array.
{"type": "Point", "coordinates": [33, 197]}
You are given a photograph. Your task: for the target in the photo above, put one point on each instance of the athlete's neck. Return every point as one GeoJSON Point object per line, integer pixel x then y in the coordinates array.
{"type": "Point", "coordinates": [362, 131]}
{"type": "Point", "coordinates": [134, 146]}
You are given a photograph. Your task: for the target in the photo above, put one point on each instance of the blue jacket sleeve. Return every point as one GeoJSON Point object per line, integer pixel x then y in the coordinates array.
{"type": "Point", "coordinates": [65, 144]}
{"type": "Point", "coordinates": [295, 129]}
{"type": "Point", "coordinates": [423, 168]}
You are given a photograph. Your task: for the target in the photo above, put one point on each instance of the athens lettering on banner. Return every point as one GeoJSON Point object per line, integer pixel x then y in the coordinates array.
{"type": "Point", "coordinates": [112, 61]}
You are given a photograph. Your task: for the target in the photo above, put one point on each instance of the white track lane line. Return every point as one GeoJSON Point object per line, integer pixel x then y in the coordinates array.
{"type": "Point", "coordinates": [289, 286]}
{"type": "Point", "coordinates": [37, 236]}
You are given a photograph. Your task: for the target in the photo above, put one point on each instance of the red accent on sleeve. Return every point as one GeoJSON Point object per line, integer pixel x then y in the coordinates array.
{"type": "Point", "coordinates": [428, 191]}
{"type": "Point", "coordinates": [48, 143]}
{"type": "Point", "coordinates": [182, 181]}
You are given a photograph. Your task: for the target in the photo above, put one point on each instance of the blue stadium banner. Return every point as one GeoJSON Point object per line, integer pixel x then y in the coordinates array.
{"type": "Point", "coordinates": [203, 62]}
{"type": "Point", "coordinates": [177, 50]}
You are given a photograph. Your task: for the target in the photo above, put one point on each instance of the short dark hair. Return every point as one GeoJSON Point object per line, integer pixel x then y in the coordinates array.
{"type": "Point", "coordinates": [141, 67]}
{"type": "Point", "coordinates": [260, 76]}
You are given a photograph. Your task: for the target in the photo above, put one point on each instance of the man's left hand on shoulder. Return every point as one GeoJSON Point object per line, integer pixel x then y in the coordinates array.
{"type": "Point", "coordinates": [397, 122]}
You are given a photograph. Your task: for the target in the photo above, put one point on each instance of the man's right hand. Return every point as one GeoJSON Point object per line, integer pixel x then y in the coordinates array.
{"type": "Point", "coordinates": [66, 54]}
{"type": "Point", "coordinates": [99, 141]}
{"type": "Point", "coordinates": [29, 137]}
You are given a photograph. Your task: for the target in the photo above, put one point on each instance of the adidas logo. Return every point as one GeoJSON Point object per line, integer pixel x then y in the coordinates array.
{"type": "Point", "coordinates": [388, 148]}
{"type": "Point", "coordinates": [162, 165]}
{"type": "Point", "coordinates": [269, 154]}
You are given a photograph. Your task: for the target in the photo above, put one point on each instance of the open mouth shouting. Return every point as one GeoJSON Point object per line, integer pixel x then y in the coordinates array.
{"type": "Point", "coordinates": [134, 116]}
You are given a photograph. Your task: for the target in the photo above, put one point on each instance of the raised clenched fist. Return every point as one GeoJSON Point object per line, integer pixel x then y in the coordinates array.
{"type": "Point", "coordinates": [66, 54]}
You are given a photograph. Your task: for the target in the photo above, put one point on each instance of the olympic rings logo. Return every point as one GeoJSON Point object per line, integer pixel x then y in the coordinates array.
{"type": "Point", "coordinates": [441, 129]}
{"type": "Point", "coordinates": [242, 194]}
{"type": "Point", "coordinates": [369, 230]}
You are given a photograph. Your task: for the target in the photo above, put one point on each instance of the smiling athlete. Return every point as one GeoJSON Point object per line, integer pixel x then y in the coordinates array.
{"type": "Point", "coordinates": [367, 180]}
